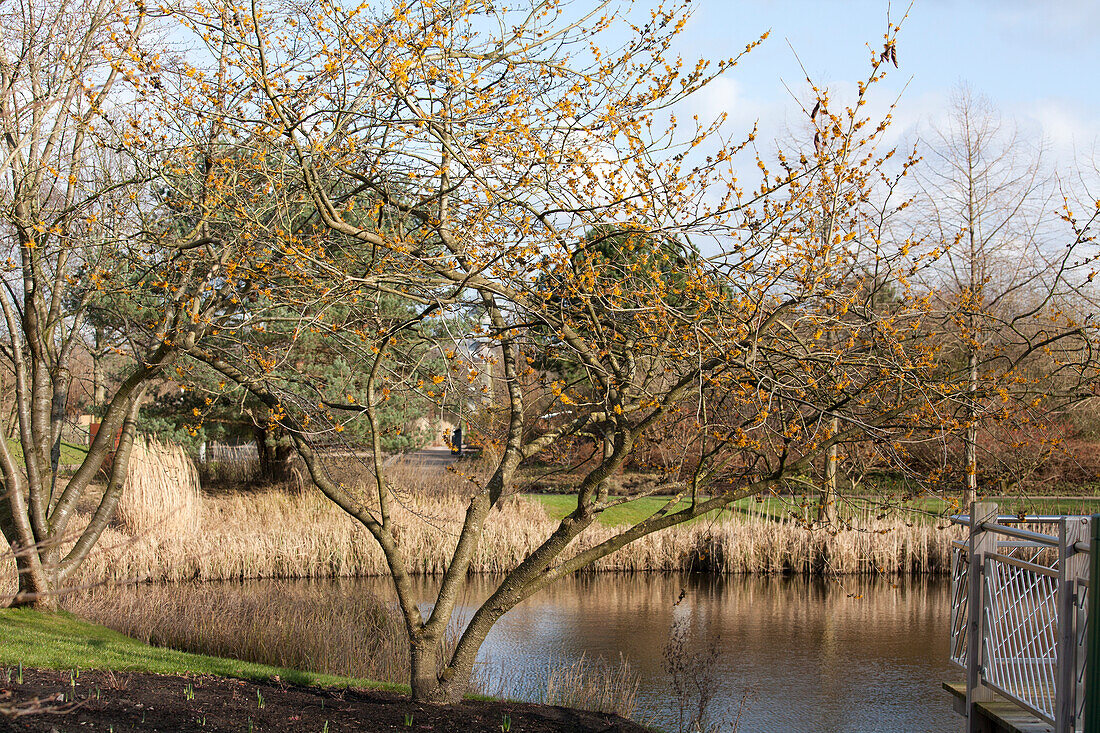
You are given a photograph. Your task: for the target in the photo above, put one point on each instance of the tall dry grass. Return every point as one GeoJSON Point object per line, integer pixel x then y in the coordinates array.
{"type": "Point", "coordinates": [599, 685]}
{"type": "Point", "coordinates": [168, 531]}
{"type": "Point", "coordinates": [162, 492]}
{"type": "Point", "coordinates": [285, 625]}
{"type": "Point", "coordinates": [273, 534]}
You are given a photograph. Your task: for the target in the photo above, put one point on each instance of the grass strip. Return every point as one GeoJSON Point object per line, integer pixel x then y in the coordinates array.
{"type": "Point", "coordinates": [71, 453]}
{"type": "Point", "coordinates": [63, 641]}
{"type": "Point", "coordinates": [925, 508]}
{"type": "Point", "coordinates": [559, 506]}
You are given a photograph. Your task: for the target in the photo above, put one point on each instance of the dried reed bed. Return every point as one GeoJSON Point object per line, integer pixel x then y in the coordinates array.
{"type": "Point", "coordinates": [598, 685]}
{"type": "Point", "coordinates": [284, 625]}
{"type": "Point", "coordinates": [273, 534]}
{"type": "Point", "coordinates": [183, 535]}
{"type": "Point", "coordinates": [162, 492]}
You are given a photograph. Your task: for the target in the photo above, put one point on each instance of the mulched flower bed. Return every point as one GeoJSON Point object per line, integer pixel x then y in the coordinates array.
{"type": "Point", "coordinates": [131, 701]}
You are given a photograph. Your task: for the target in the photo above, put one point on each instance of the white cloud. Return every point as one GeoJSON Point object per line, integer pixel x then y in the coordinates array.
{"type": "Point", "coordinates": [726, 95]}
{"type": "Point", "coordinates": [1064, 22]}
{"type": "Point", "coordinates": [1069, 133]}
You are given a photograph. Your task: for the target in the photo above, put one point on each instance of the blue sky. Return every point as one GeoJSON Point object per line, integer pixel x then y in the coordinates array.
{"type": "Point", "coordinates": [1037, 60]}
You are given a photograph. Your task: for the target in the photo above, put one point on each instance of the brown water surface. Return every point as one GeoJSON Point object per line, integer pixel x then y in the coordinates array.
{"type": "Point", "coordinates": [817, 656]}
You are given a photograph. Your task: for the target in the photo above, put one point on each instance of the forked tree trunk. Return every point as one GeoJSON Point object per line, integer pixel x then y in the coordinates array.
{"type": "Point", "coordinates": [37, 584]}
{"type": "Point", "coordinates": [43, 570]}
{"type": "Point", "coordinates": [439, 681]}
{"type": "Point", "coordinates": [424, 673]}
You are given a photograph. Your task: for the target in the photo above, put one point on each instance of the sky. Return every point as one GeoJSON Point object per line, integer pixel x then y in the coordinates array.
{"type": "Point", "coordinates": [1036, 60]}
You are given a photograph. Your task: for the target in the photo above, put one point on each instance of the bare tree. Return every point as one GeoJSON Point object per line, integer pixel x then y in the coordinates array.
{"type": "Point", "coordinates": [989, 203]}
{"type": "Point", "coordinates": [55, 77]}
{"type": "Point", "coordinates": [114, 225]}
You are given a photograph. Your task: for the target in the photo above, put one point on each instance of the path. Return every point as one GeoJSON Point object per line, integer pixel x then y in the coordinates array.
{"type": "Point", "coordinates": [434, 457]}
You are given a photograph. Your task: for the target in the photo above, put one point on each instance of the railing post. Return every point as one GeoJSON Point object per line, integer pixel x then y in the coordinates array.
{"type": "Point", "coordinates": [981, 543]}
{"type": "Point", "coordinates": [1092, 636]}
{"type": "Point", "coordinates": [1071, 530]}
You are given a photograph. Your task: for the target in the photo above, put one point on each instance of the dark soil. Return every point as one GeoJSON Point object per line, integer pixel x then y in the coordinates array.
{"type": "Point", "coordinates": [130, 701]}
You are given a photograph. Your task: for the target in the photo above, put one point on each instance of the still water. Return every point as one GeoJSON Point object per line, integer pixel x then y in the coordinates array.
{"type": "Point", "coordinates": [793, 655]}
{"type": "Point", "coordinates": [815, 656]}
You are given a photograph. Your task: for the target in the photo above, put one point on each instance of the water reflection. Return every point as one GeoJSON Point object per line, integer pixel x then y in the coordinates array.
{"type": "Point", "coordinates": [820, 656]}
{"type": "Point", "coordinates": [841, 656]}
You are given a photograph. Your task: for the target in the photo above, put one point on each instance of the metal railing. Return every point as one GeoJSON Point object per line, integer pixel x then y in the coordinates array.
{"type": "Point", "coordinates": [227, 453]}
{"type": "Point", "coordinates": [1025, 611]}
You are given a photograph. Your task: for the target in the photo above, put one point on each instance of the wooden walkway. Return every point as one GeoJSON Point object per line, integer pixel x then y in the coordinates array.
{"type": "Point", "coordinates": [1001, 716]}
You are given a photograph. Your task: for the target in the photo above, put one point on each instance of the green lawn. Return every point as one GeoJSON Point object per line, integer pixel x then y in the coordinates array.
{"type": "Point", "coordinates": [559, 505]}
{"type": "Point", "coordinates": [1075, 505]}
{"type": "Point", "coordinates": [71, 453]}
{"type": "Point", "coordinates": [1015, 505]}
{"type": "Point", "coordinates": [63, 641]}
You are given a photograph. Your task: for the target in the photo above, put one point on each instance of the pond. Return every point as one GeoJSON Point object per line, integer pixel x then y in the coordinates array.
{"type": "Point", "coordinates": [820, 656]}
{"type": "Point", "coordinates": [792, 654]}
{"type": "Point", "coordinates": [813, 655]}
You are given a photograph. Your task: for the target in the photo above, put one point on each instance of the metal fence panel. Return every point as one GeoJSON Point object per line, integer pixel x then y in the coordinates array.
{"type": "Point", "coordinates": [1032, 594]}
{"type": "Point", "coordinates": [1021, 634]}
{"type": "Point", "coordinates": [960, 565]}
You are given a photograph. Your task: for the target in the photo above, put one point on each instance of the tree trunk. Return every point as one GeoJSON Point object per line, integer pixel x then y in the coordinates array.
{"type": "Point", "coordinates": [37, 587]}
{"type": "Point", "coordinates": [99, 376]}
{"type": "Point", "coordinates": [827, 504]}
{"type": "Point", "coordinates": [970, 493]}
{"type": "Point", "coordinates": [830, 495]}
{"type": "Point", "coordinates": [282, 469]}
{"type": "Point", "coordinates": [276, 456]}
{"type": "Point", "coordinates": [425, 661]}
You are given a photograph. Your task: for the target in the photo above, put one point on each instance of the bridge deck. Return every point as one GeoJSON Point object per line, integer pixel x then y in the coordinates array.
{"type": "Point", "coordinates": [1001, 716]}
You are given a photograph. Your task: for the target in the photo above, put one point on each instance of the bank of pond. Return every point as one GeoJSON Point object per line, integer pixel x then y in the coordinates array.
{"type": "Point", "coordinates": [169, 530]}
{"type": "Point", "coordinates": [61, 673]}
{"type": "Point", "coordinates": [787, 623]}
{"type": "Point", "coordinates": [772, 652]}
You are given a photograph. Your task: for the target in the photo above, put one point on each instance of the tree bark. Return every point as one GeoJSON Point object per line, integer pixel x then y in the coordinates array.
{"type": "Point", "coordinates": [970, 493]}
{"type": "Point", "coordinates": [36, 584]}
{"type": "Point", "coordinates": [424, 674]}
{"type": "Point", "coordinates": [827, 506]}
{"type": "Point", "coordinates": [99, 376]}
{"type": "Point", "coordinates": [276, 456]}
